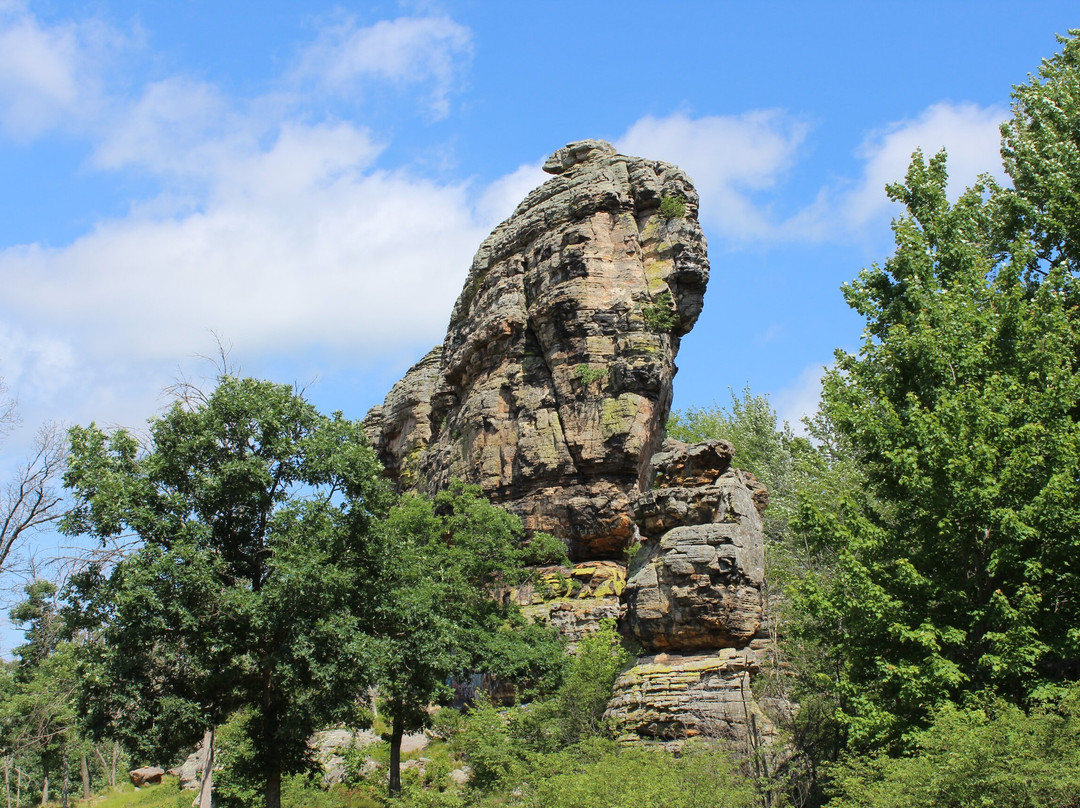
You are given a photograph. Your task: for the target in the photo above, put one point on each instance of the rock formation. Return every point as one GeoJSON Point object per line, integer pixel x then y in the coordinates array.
{"type": "Point", "coordinates": [551, 390]}
{"type": "Point", "coordinates": [694, 601]}
{"type": "Point", "coordinates": [554, 381]}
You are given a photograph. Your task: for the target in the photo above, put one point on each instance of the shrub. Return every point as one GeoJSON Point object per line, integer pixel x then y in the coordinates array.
{"type": "Point", "coordinates": [587, 375]}
{"type": "Point", "coordinates": [672, 207]}
{"type": "Point", "coordinates": [996, 755]}
{"type": "Point", "coordinates": [660, 316]}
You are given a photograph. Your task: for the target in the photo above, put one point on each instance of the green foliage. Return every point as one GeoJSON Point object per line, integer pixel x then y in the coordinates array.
{"type": "Point", "coordinates": [954, 569]}
{"type": "Point", "coordinates": [543, 549]}
{"type": "Point", "coordinates": [598, 773]}
{"type": "Point", "coordinates": [1042, 156]}
{"type": "Point", "coordinates": [586, 689]}
{"type": "Point", "coordinates": [488, 747]}
{"type": "Point", "coordinates": [238, 783]}
{"type": "Point", "coordinates": [672, 207]}
{"type": "Point", "coordinates": [39, 720]}
{"type": "Point", "coordinates": [440, 617]}
{"type": "Point", "coordinates": [571, 714]}
{"type": "Point", "coordinates": [993, 756]}
{"type": "Point", "coordinates": [660, 315]}
{"type": "Point", "coordinates": [255, 581]}
{"type": "Point", "coordinates": [164, 795]}
{"type": "Point", "coordinates": [587, 375]}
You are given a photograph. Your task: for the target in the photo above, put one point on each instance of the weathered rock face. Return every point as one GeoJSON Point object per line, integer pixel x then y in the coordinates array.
{"type": "Point", "coordinates": [551, 390]}
{"type": "Point", "coordinates": [673, 697]}
{"type": "Point", "coordinates": [695, 592]}
{"type": "Point", "coordinates": [554, 381]}
{"type": "Point", "coordinates": [575, 600]}
{"type": "Point", "coordinates": [697, 576]}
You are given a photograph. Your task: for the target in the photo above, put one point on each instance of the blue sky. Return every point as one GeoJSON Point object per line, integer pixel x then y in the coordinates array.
{"type": "Point", "coordinates": [310, 180]}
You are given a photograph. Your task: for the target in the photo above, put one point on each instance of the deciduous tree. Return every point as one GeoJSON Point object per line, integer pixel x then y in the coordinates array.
{"type": "Point", "coordinates": [256, 576]}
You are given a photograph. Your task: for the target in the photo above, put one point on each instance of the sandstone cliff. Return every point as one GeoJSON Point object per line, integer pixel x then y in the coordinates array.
{"type": "Point", "coordinates": [551, 390]}
{"type": "Point", "coordinates": [694, 601]}
{"type": "Point", "coordinates": [554, 381]}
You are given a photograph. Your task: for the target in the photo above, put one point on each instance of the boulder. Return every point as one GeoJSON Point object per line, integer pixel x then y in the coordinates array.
{"type": "Point", "coordinates": [699, 584]}
{"type": "Point", "coordinates": [674, 697]}
{"type": "Point", "coordinates": [146, 776]}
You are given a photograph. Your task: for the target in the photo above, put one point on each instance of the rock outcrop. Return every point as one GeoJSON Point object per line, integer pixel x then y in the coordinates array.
{"type": "Point", "coordinates": [698, 573]}
{"type": "Point", "coordinates": [552, 386]}
{"type": "Point", "coordinates": [694, 601]}
{"type": "Point", "coordinates": [551, 390]}
{"type": "Point", "coordinates": [575, 600]}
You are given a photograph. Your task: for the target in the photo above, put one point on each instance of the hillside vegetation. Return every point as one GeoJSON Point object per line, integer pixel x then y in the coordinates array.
{"type": "Point", "coordinates": [923, 543]}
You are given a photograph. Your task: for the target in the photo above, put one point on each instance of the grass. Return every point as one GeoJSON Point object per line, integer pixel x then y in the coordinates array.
{"type": "Point", "coordinates": [165, 795]}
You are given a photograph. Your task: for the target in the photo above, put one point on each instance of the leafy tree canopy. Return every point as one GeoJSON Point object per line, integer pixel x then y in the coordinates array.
{"type": "Point", "coordinates": [255, 578]}
{"type": "Point", "coordinates": [958, 574]}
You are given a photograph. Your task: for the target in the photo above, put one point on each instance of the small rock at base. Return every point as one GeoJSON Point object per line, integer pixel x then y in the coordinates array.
{"type": "Point", "coordinates": [146, 776]}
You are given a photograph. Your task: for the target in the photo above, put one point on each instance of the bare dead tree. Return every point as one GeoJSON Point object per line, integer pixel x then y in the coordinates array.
{"type": "Point", "coordinates": [32, 499]}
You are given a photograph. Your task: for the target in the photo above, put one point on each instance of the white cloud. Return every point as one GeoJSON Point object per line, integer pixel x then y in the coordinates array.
{"type": "Point", "coordinates": [49, 75]}
{"type": "Point", "coordinates": [407, 50]}
{"type": "Point", "coordinates": [968, 132]}
{"type": "Point", "coordinates": [176, 128]}
{"type": "Point", "coordinates": [275, 260]}
{"type": "Point", "coordinates": [34, 363]}
{"type": "Point", "coordinates": [736, 161]}
{"type": "Point", "coordinates": [729, 158]}
{"type": "Point", "coordinates": [502, 196]}
{"type": "Point", "coordinates": [800, 399]}
{"type": "Point", "coordinates": [273, 229]}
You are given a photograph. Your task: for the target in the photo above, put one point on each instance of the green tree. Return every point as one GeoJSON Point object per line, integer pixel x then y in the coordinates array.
{"type": "Point", "coordinates": [444, 613]}
{"type": "Point", "coordinates": [255, 579]}
{"type": "Point", "coordinates": [957, 573]}
{"type": "Point", "coordinates": [38, 717]}
{"type": "Point", "coordinates": [992, 755]}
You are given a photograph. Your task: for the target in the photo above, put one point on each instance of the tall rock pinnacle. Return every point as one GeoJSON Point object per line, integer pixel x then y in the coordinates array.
{"type": "Point", "coordinates": [553, 384]}
{"type": "Point", "coordinates": [551, 391]}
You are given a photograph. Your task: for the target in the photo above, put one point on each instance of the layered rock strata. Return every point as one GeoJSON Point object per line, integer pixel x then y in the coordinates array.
{"type": "Point", "coordinates": [575, 600]}
{"type": "Point", "coordinates": [552, 386]}
{"type": "Point", "coordinates": [694, 601]}
{"type": "Point", "coordinates": [551, 390]}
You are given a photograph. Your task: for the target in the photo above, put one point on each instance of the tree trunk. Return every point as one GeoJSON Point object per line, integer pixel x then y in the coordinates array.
{"type": "Point", "coordinates": [206, 782]}
{"type": "Point", "coordinates": [104, 765]}
{"type": "Point", "coordinates": [84, 770]}
{"type": "Point", "coordinates": [7, 780]}
{"type": "Point", "coordinates": [396, 733]}
{"type": "Point", "coordinates": [273, 788]}
{"type": "Point", "coordinates": [67, 783]}
{"type": "Point", "coordinates": [45, 786]}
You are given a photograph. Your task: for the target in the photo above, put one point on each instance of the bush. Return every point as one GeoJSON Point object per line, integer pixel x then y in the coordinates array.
{"type": "Point", "coordinates": [660, 315]}
{"type": "Point", "coordinates": [672, 207]}
{"type": "Point", "coordinates": [588, 375]}
{"type": "Point", "coordinates": [989, 756]}
{"type": "Point", "coordinates": [599, 773]}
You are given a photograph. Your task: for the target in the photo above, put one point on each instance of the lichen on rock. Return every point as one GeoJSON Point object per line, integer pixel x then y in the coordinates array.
{"type": "Point", "coordinates": [560, 284]}
{"type": "Point", "coordinates": [551, 390]}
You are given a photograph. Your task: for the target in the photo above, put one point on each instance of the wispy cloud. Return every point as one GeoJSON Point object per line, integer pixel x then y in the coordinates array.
{"type": "Point", "coordinates": [272, 226]}
{"type": "Point", "coordinates": [801, 398]}
{"type": "Point", "coordinates": [729, 157]}
{"type": "Point", "coordinates": [739, 165]}
{"type": "Point", "coordinates": [406, 51]}
{"type": "Point", "coordinates": [50, 75]}
{"type": "Point", "coordinates": [970, 134]}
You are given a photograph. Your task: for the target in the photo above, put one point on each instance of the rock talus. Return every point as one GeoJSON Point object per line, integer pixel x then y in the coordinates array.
{"type": "Point", "coordinates": [551, 390]}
